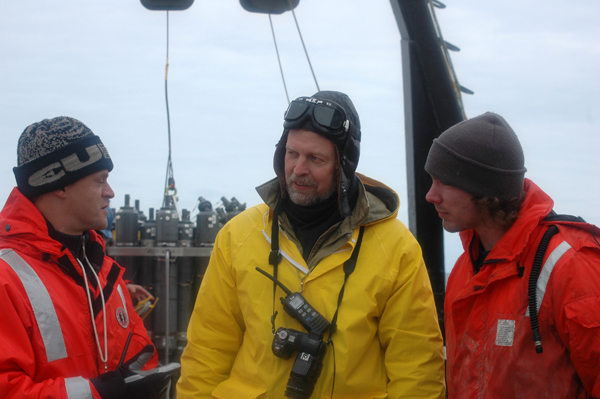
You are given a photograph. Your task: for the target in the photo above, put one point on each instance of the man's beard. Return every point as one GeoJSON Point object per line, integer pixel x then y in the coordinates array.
{"type": "Point", "coordinates": [307, 198]}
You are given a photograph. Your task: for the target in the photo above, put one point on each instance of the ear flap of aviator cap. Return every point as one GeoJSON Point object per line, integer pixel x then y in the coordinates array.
{"type": "Point", "coordinates": [350, 154]}
{"type": "Point", "coordinates": [279, 161]}
{"type": "Point", "coordinates": [344, 193]}
{"type": "Point", "coordinates": [348, 164]}
{"type": "Point", "coordinates": [348, 145]}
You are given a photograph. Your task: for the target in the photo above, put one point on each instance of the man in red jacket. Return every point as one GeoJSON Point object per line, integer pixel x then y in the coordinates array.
{"type": "Point", "coordinates": [518, 325]}
{"type": "Point", "coordinates": [68, 327]}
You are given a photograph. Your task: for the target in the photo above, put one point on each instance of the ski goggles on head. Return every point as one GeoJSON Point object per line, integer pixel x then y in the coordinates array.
{"type": "Point", "coordinates": [325, 114]}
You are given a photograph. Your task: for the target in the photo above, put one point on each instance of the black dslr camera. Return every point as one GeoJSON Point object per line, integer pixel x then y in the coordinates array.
{"type": "Point", "coordinates": [310, 346]}
{"type": "Point", "coordinates": [309, 360]}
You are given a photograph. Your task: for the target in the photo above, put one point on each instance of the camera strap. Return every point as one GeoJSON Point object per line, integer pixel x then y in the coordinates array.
{"type": "Point", "coordinates": [275, 258]}
{"type": "Point", "coordinates": [349, 267]}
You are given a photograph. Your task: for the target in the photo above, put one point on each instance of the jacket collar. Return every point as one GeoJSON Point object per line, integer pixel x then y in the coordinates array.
{"type": "Point", "coordinates": [376, 201]}
{"type": "Point", "coordinates": [23, 227]}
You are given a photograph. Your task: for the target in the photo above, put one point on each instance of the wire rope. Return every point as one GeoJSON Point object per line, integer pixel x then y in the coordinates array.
{"type": "Point", "coordinates": [279, 59]}
{"type": "Point", "coordinates": [169, 179]}
{"type": "Point", "coordinates": [303, 46]}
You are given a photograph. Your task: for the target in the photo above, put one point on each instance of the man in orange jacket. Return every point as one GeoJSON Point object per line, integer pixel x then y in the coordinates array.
{"type": "Point", "coordinates": [68, 328]}
{"type": "Point", "coordinates": [520, 323]}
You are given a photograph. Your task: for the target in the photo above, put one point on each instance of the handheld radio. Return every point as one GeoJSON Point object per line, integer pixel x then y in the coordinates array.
{"type": "Point", "coordinates": [298, 307]}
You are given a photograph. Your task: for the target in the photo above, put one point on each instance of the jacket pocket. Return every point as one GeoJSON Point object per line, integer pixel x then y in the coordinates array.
{"type": "Point", "coordinates": [239, 389]}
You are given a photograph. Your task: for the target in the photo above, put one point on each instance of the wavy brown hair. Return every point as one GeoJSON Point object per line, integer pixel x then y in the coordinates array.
{"type": "Point", "coordinates": [504, 212]}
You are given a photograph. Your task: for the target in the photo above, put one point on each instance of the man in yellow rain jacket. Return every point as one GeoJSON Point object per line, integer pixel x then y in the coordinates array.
{"type": "Point", "coordinates": [357, 317]}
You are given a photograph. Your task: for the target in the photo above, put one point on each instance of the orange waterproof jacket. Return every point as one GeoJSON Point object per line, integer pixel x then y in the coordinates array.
{"type": "Point", "coordinates": [47, 344]}
{"type": "Point", "coordinates": [490, 350]}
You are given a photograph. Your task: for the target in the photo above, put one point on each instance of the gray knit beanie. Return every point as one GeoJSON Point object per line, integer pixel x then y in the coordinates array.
{"type": "Point", "coordinates": [481, 155]}
{"type": "Point", "coordinates": [56, 152]}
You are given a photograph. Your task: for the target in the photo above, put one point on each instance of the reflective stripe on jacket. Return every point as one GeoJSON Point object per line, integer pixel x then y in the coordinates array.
{"type": "Point", "coordinates": [490, 350]}
{"type": "Point", "coordinates": [47, 343]}
{"type": "Point", "coordinates": [387, 344]}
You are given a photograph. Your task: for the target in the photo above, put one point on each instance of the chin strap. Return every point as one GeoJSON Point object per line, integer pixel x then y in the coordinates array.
{"type": "Point", "coordinates": [344, 201]}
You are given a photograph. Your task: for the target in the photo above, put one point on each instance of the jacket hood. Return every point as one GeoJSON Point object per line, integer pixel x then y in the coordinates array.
{"type": "Point", "coordinates": [376, 201]}
{"type": "Point", "coordinates": [536, 206]}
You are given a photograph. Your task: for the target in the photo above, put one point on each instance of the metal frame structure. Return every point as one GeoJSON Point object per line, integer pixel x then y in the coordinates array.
{"type": "Point", "coordinates": [432, 104]}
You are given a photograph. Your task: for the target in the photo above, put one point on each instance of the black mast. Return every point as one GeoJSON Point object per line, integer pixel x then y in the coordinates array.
{"type": "Point", "coordinates": [432, 104]}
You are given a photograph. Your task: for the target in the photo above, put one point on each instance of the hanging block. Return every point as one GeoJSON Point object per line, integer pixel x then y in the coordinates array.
{"type": "Point", "coordinates": [167, 5]}
{"type": "Point", "coordinates": [269, 6]}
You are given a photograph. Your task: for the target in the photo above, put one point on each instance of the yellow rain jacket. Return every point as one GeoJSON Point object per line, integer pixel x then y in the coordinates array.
{"type": "Point", "coordinates": [387, 344]}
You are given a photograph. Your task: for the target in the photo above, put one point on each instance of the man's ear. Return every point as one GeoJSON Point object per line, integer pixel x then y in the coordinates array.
{"type": "Point", "coordinates": [61, 193]}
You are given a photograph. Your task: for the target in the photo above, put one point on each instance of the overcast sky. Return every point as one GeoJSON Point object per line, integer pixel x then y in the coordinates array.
{"type": "Point", "coordinates": [535, 62]}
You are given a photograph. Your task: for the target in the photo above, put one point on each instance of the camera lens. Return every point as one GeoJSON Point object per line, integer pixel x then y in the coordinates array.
{"type": "Point", "coordinates": [305, 373]}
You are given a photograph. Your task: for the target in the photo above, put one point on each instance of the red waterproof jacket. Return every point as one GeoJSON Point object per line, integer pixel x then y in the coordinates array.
{"type": "Point", "coordinates": [490, 350]}
{"type": "Point", "coordinates": [47, 344]}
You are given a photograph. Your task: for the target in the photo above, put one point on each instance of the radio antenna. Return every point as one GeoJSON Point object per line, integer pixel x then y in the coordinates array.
{"type": "Point", "coordinates": [283, 287]}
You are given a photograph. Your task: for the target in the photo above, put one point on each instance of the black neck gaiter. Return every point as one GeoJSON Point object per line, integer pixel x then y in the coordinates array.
{"type": "Point", "coordinates": [70, 242]}
{"type": "Point", "coordinates": [310, 222]}
{"type": "Point", "coordinates": [75, 245]}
